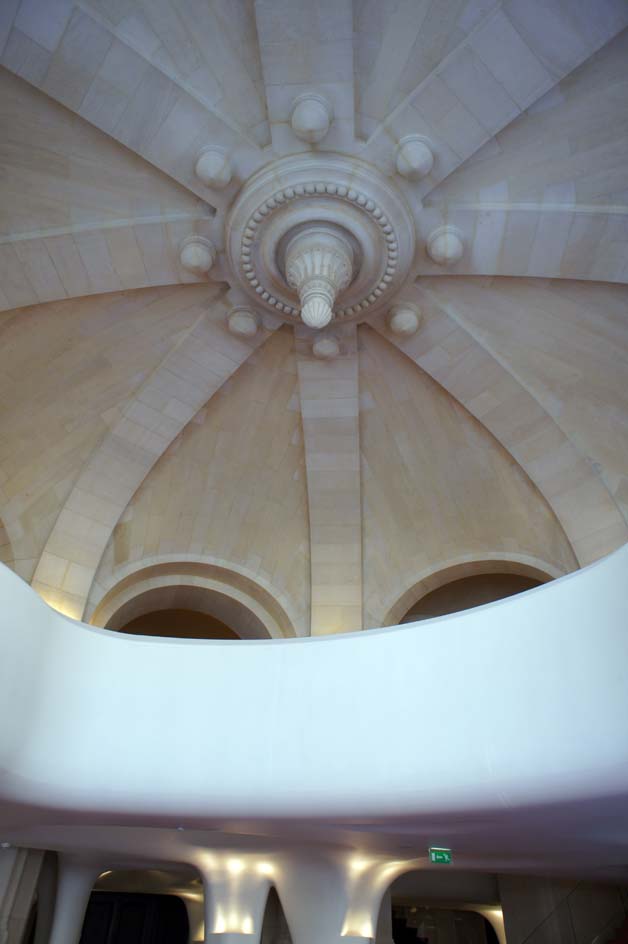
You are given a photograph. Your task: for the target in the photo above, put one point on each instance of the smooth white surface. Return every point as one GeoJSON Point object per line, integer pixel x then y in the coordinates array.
{"type": "Point", "coordinates": [515, 703]}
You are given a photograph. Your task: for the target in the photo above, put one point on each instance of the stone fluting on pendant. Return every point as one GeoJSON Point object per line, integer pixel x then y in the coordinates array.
{"type": "Point", "coordinates": [319, 265]}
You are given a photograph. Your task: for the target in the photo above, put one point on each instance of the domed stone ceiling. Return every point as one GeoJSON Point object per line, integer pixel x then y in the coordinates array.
{"type": "Point", "coordinates": [310, 304]}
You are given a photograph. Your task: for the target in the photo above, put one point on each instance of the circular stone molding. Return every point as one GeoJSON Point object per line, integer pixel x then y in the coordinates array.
{"type": "Point", "coordinates": [301, 191]}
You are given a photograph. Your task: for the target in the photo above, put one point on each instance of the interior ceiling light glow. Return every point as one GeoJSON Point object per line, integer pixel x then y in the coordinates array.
{"type": "Point", "coordinates": [235, 866]}
{"type": "Point", "coordinates": [220, 925]}
{"type": "Point", "coordinates": [265, 868]}
{"type": "Point", "coordinates": [357, 925]}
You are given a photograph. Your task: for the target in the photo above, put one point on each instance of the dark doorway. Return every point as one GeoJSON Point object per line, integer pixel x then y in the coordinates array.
{"type": "Point", "coordinates": [121, 918]}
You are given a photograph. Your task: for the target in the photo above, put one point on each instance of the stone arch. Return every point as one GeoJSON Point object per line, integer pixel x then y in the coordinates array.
{"type": "Point", "coordinates": [187, 378]}
{"type": "Point", "coordinates": [475, 378]}
{"type": "Point", "coordinates": [226, 593]}
{"type": "Point", "coordinates": [469, 565]}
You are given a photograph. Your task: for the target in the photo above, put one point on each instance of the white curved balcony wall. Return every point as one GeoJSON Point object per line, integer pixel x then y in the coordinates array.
{"type": "Point", "coordinates": [518, 702]}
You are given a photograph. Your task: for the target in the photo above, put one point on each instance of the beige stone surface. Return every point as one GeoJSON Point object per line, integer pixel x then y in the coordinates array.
{"type": "Point", "coordinates": [567, 344]}
{"type": "Point", "coordinates": [329, 397]}
{"type": "Point", "coordinates": [231, 487]}
{"type": "Point", "coordinates": [449, 350]}
{"type": "Point", "coordinates": [73, 174]}
{"type": "Point", "coordinates": [437, 488]}
{"type": "Point", "coordinates": [496, 432]}
{"type": "Point", "coordinates": [197, 365]}
{"type": "Point", "coordinates": [67, 370]}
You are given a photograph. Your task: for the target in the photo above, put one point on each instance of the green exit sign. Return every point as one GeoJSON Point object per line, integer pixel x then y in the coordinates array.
{"type": "Point", "coordinates": [442, 856]}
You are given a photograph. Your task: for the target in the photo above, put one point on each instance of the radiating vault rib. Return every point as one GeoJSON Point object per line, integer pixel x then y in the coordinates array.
{"type": "Point", "coordinates": [85, 67]}
{"type": "Point", "coordinates": [473, 376]}
{"type": "Point", "coordinates": [329, 392]}
{"type": "Point", "coordinates": [307, 47]}
{"type": "Point", "coordinates": [512, 57]}
{"type": "Point", "coordinates": [185, 380]}
{"type": "Point", "coordinates": [541, 240]}
{"type": "Point", "coordinates": [71, 261]}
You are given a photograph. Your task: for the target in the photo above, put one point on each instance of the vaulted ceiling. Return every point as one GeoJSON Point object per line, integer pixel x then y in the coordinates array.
{"type": "Point", "coordinates": [137, 431]}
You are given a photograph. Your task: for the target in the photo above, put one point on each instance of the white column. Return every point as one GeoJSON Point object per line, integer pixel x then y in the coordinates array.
{"type": "Point", "coordinates": [19, 872]}
{"type": "Point", "coordinates": [329, 900]}
{"type": "Point", "coordinates": [495, 918]}
{"type": "Point", "coordinates": [236, 889]}
{"type": "Point", "coordinates": [75, 883]}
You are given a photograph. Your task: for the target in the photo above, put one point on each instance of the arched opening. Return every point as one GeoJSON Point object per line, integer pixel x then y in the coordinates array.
{"type": "Point", "coordinates": [468, 592]}
{"type": "Point", "coordinates": [155, 906]}
{"type": "Point", "coordinates": [179, 624]}
{"type": "Point", "coordinates": [428, 924]}
{"type": "Point", "coordinates": [186, 612]}
{"type": "Point", "coordinates": [428, 906]}
{"type": "Point", "coordinates": [465, 583]}
{"type": "Point", "coordinates": [191, 599]}
{"type": "Point", "coordinates": [129, 917]}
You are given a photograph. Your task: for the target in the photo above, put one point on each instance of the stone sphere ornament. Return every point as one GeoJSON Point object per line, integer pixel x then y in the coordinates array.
{"type": "Point", "coordinates": [325, 348]}
{"type": "Point", "coordinates": [311, 117]}
{"type": "Point", "coordinates": [213, 168]}
{"type": "Point", "coordinates": [404, 319]}
{"type": "Point", "coordinates": [445, 245]}
{"type": "Point", "coordinates": [242, 322]}
{"type": "Point", "coordinates": [197, 254]}
{"type": "Point", "coordinates": [415, 158]}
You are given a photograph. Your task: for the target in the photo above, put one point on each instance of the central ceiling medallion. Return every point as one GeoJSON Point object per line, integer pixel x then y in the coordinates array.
{"type": "Point", "coordinates": [316, 237]}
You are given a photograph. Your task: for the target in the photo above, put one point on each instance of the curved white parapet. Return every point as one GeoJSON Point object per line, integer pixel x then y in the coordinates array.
{"type": "Point", "coordinates": [517, 703]}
